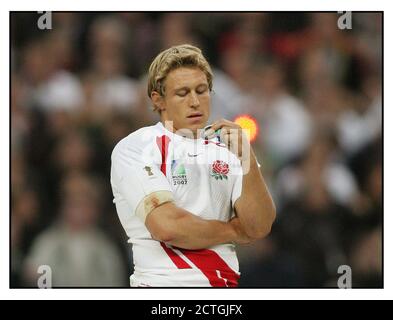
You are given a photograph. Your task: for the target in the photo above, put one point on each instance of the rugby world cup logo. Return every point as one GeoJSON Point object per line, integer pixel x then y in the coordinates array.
{"type": "Point", "coordinates": [179, 175]}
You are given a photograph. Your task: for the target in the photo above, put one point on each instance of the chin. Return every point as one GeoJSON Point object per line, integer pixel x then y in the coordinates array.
{"type": "Point", "coordinates": [196, 123]}
{"type": "Point", "coordinates": [197, 126]}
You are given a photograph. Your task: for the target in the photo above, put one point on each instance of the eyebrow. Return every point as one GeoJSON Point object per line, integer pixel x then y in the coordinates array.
{"type": "Point", "coordinates": [182, 88]}
{"type": "Point", "coordinates": [188, 88]}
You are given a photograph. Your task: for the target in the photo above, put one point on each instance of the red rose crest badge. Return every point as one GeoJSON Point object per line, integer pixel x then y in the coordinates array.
{"type": "Point", "coordinates": [220, 170]}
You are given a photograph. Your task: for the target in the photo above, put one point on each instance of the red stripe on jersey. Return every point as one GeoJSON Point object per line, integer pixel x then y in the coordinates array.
{"type": "Point", "coordinates": [213, 267]}
{"type": "Point", "coordinates": [163, 144]}
{"type": "Point", "coordinates": [176, 259]}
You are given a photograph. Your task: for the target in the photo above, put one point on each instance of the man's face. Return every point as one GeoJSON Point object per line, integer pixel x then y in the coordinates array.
{"type": "Point", "coordinates": [187, 99]}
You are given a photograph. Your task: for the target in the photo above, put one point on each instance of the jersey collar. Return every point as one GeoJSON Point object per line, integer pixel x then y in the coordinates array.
{"type": "Point", "coordinates": [176, 136]}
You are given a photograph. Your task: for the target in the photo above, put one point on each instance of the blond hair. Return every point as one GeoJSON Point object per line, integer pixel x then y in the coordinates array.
{"type": "Point", "coordinates": [184, 55]}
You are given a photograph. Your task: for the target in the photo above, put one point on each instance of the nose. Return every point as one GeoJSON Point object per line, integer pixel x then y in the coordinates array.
{"type": "Point", "coordinates": [194, 101]}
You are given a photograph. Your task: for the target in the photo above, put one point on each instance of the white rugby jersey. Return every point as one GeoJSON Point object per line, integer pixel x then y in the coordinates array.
{"type": "Point", "coordinates": [204, 178]}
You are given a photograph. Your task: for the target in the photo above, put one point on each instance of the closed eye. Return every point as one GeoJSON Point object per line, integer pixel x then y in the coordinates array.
{"type": "Point", "coordinates": [181, 93]}
{"type": "Point", "coordinates": [201, 89]}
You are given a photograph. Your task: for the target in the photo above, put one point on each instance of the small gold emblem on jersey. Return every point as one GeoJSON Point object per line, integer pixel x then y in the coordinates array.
{"type": "Point", "coordinates": [148, 170]}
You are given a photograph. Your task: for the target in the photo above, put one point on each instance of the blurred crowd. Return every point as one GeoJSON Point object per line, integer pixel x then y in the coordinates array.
{"type": "Point", "coordinates": [315, 90]}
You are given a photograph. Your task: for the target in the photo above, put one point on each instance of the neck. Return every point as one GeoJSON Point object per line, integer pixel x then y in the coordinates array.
{"type": "Point", "coordinates": [183, 132]}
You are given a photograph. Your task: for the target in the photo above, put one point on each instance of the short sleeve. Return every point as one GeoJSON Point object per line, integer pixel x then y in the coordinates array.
{"type": "Point", "coordinates": [133, 178]}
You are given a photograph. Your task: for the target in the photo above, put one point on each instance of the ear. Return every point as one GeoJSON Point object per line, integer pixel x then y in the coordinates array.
{"type": "Point", "coordinates": [158, 100]}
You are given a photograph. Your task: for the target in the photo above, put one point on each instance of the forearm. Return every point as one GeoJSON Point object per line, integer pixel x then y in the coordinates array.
{"type": "Point", "coordinates": [183, 229]}
{"type": "Point", "coordinates": [196, 233]}
{"type": "Point", "coordinates": [255, 207]}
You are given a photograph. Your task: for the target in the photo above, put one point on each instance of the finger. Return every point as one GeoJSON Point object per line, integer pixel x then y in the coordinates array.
{"type": "Point", "coordinates": [234, 144]}
{"type": "Point", "coordinates": [215, 130]}
{"type": "Point", "coordinates": [223, 123]}
{"type": "Point", "coordinates": [232, 141]}
{"type": "Point", "coordinates": [209, 133]}
{"type": "Point", "coordinates": [217, 125]}
{"type": "Point", "coordinates": [225, 138]}
{"type": "Point", "coordinates": [224, 133]}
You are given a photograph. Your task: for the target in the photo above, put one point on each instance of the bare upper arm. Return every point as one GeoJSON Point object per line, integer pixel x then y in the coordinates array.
{"type": "Point", "coordinates": [161, 221]}
{"type": "Point", "coordinates": [151, 202]}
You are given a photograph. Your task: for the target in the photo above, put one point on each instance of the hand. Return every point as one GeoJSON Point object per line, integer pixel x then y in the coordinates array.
{"type": "Point", "coordinates": [242, 237]}
{"type": "Point", "coordinates": [233, 136]}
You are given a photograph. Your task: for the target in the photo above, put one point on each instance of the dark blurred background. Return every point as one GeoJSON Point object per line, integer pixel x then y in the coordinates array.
{"type": "Point", "coordinates": [314, 89]}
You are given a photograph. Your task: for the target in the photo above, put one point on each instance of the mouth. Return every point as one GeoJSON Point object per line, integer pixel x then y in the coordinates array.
{"type": "Point", "coordinates": [195, 116]}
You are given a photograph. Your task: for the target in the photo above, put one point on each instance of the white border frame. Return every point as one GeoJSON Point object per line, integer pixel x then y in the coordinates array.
{"type": "Point", "coordinates": [157, 294]}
